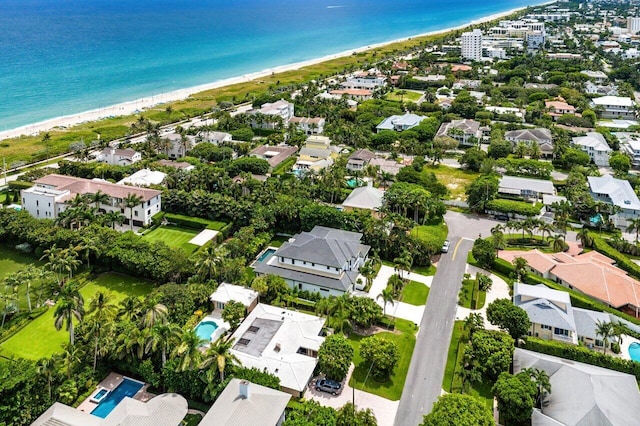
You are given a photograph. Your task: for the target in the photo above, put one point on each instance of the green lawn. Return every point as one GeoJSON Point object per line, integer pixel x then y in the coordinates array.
{"type": "Point", "coordinates": [11, 260]}
{"type": "Point", "coordinates": [456, 180]}
{"type": "Point", "coordinates": [278, 240]}
{"type": "Point", "coordinates": [409, 96]}
{"type": "Point", "coordinates": [466, 295]}
{"type": "Point", "coordinates": [404, 337]}
{"type": "Point", "coordinates": [450, 368]}
{"type": "Point", "coordinates": [40, 338]}
{"type": "Point", "coordinates": [174, 236]}
{"type": "Point", "coordinates": [424, 270]}
{"type": "Point", "coordinates": [415, 293]}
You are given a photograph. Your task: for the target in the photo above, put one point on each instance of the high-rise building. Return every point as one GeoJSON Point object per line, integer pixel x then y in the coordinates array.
{"type": "Point", "coordinates": [471, 45]}
{"type": "Point", "coordinates": [633, 25]}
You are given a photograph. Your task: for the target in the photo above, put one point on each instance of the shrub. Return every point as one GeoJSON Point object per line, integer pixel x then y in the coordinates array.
{"type": "Point", "coordinates": [512, 206]}
{"type": "Point", "coordinates": [18, 185]}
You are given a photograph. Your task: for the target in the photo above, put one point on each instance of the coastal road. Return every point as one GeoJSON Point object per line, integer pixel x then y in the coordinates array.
{"type": "Point", "coordinates": [424, 379]}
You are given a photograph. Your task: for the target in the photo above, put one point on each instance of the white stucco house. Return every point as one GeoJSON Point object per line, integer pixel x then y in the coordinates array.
{"type": "Point", "coordinates": [119, 157]}
{"type": "Point", "coordinates": [596, 146]}
{"type": "Point", "coordinates": [616, 192]}
{"type": "Point", "coordinates": [324, 260]}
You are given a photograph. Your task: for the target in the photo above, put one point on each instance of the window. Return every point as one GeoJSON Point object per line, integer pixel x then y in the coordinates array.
{"type": "Point", "coordinates": [328, 267]}
{"type": "Point", "coordinates": [135, 213]}
{"type": "Point", "coordinates": [545, 327]}
{"type": "Point", "coordinates": [149, 212]}
{"type": "Point", "coordinates": [37, 203]}
{"type": "Point", "coordinates": [148, 203]}
{"type": "Point", "coordinates": [560, 332]}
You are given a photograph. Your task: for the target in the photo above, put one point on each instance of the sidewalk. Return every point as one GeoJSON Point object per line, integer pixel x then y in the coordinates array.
{"type": "Point", "coordinates": [398, 309]}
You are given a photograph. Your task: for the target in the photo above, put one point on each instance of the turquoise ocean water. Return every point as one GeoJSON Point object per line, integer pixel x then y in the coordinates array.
{"type": "Point", "coordinates": [60, 57]}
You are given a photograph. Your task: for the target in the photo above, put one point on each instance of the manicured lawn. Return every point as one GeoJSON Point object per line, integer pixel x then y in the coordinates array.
{"type": "Point", "coordinates": [11, 260]}
{"type": "Point", "coordinates": [278, 240]}
{"type": "Point", "coordinates": [415, 293]}
{"type": "Point", "coordinates": [409, 96]}
{"type": "Point", "coordinates": [404, 337]}
{"type": "Point", "coordinates": [174, 237]}
{"type": "Point", "coordinates": [40, 338]}
{"type": "Point", "coordinates": [450, 368]}
{"type": "Point", "coordinates": [456, 180]}
{"type": "Point", "coordinates": [424, 270]}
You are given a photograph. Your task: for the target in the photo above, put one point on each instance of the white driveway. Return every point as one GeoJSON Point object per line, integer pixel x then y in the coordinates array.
{"type": "Point", "coordinates": [384, 409]}
{"type": "Point", "coordinates": [398, 309]}
{"type": "Point", "coordinates": [499, 290]}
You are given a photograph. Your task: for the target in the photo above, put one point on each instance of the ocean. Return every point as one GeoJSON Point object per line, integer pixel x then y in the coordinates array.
{"type": "Point", "coordinates": [60, 57]}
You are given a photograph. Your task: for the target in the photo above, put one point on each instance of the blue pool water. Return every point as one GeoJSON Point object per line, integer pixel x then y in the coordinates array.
{"type": "Point", "coordinates": [127, 388]}
{"type": "Point", "coordinates": [101, 394]}
{"type": "Point", "coordinates": [634, 351]}
{"type": "Point", "coordinates": [205, 329]}
{"type": "Point", "coordinates": [268, 252]}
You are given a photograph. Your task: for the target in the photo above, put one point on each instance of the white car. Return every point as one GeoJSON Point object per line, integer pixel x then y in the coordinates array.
{"type": "Point", "coordinates": [445, 247]}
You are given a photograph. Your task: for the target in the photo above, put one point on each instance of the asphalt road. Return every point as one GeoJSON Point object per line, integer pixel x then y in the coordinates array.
{"type": "Point", "coordinates": [426, 371]}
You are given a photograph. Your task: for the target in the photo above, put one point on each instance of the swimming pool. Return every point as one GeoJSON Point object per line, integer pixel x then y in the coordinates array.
{"type": "Point", "coordinates": [265, 254]}
{"type": "Point", "coordinates": [205, 330]}
{"type": "Point", "coordinates": [128, 388]}
{"type": "Point", "coordinates": [99, 396]}
{"type": "Point", "coordinates": [634, 351]}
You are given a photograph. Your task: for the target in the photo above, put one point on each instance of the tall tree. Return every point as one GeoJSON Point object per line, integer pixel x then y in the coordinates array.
{"type": "Point", "coordinates": [219, 354]}
{"type": "Point", "coordinates": [188, 350]}
{"type": "Point", "coordinates": [387, 297]}
{"type": "Point", "coordinates": [131, 201]}
{"type": "Point", "coordinates": [70, 306]}
{"type": "Point", "coordinates": [102, 311]}
{"type": "Point", "coordinates": [458, 410]}
{"type": "Point", "coordinates": [606, 331]}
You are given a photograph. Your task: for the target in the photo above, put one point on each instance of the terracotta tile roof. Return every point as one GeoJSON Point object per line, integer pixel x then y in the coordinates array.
{"type": "Point", "coordinates": [352, 92]}
{"type": "Point", "coordinates": [85, 186]}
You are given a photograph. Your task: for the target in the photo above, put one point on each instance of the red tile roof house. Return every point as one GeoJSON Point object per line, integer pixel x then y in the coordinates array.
{"type": "Point", "coordinates": [559, 108]}
{"type": "Point", "coordinates": [273, 154]}
{"type": "Point", "coordinates": [590, 273]}
{"type": "Point", "coordinates": [50, 194]}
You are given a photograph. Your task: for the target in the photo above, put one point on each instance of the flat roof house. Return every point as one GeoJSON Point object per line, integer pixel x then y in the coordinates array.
{"type": "Point", "coordinates": [279, 112]}
{"type": "Point", "coordinates": [525, 187]}
{"type": "Point", "coordinates": [400, 123]}
{"type": "Point", "coordinates": [282, 342]}
{"type": "Point", "coordinates": [616, 192]}
{"type": "Point", "coordinates": [630, 143]}
{"type": "Point", "coordinates": [243, 403]}
{"type": "Point", "coordinates": [324, 260]}
{"type": "Point", "coordinates": [596, 146]}
{"type": "Point", "coordinates": [581, 394]}
{"type": "Point", "coordinates": [50, 194]}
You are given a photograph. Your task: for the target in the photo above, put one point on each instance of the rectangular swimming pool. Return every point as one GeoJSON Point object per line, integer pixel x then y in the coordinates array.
{"type": "Point", "coordinates": [128, 387]}
{"type": "Point", "coordinates": [265, 255]}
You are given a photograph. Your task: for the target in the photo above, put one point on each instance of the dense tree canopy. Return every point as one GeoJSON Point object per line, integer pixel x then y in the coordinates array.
{"type": "Point", "coordinates": [458, 410]}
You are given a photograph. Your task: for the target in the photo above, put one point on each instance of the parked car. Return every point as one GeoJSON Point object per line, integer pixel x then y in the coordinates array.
{"type": "Point", "coordinates": [329, 386]}
{"type": "Point", "coordinates": [445, 246]}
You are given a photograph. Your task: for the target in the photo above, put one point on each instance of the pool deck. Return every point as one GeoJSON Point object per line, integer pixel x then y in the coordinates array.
{"type": "Point", "coordinates": [110, 383]}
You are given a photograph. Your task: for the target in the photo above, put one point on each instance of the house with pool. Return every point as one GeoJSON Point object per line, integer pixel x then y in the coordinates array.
{"type": "Point", "coordinates": [227, 292]}
{"type": "Point", "coordinates": [119, 400]}
{"type": "Point", "coordinates": [281, 342]}
{"type": "Point", "coordinates": [324, 260]}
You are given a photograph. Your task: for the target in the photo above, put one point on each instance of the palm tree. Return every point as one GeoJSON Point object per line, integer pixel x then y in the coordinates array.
{"type": "Point", "coordinates": [53, 256]}
{"type": "Point", "coordinates": [520, 263]}
{"type": "Point", "coordinates": [99, 198]}
{"type": "Point", "coordinates": [209, 262]}
{"type": "Point", "coordinates": [48, 367]}
{"type": "Point", "coordinates": [112, 218]}
{"type": "Point", "coordinates": [162, 336]}
{"type": "Point", "coordinates": [132, 201]}
{"type": "Point", "coordinates": [102, 312]}
{"type": "Point", "coordinates": [543, 385]}
{"type": "Point", "coordinates": [189, 350]}
{"type": "Point", "coordinates": [219, 353]}
{"type": "Point", "coordinates": [634, 225]}
{"type": "Point", "coordinates": [368, 272]}
{"type": "Point", "coordinates": [585, 238]}
{"type": "Point", "coordinates": [154, 313]}
{"type": "Point", "coordinates": [473, 322]}
{"type": "Point", "coordinates": [498, 239]}
{"type": "Point", "coordinates": [387, 297]}
{"type": "Point", "coordinates": [70, 305]}
{"type": "Point", "coordinates": [71, 357]}
{"type": "Point", "coordinates": [130, 308]}
{"type": "Point", "coordinates": [557, 242]}
{"type": "Point", "coordinates": [606, 331]}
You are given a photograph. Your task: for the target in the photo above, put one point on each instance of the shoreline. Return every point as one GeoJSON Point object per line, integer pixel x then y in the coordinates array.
{"type": "Point", "coordinates": [139, 105]}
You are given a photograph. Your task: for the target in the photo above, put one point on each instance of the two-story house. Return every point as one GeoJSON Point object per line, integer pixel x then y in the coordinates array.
{"type": "Point", "coordinates": [400, 123]}
{"type": "Point", "coordinates": [630, 143]}
{"type": "Point", "coordinates": [466, 132]}
{"type": "Point", "coordinates": [309, 125]}
{"type": "Point", "coordinates": [614, 107]}
{"type": "Point", "coordinates": [50, 196]}
{"type": "Point", "coordinates": [596, 146]}
{"type": "Point", "coordinates": [119, 157]}
{"type": "Point", "coordinates": [324, 260]}
{"type": "Point", "coordinates": [316, 154]}
{"type": "Point", "coordinates": [539, 135]}
{"type": "Point", "coordinates": [270, 115]}
{"type": "Point", "coordinates": [359, 159]}
{"type": "Point", "coordinates": [618, 193]}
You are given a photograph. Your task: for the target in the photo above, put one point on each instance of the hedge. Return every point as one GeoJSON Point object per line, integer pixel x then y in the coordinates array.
{"type": "Point", "coordinates": [18, 185]}
{"type": "Point", "coordinates": [578, 300]}
{"type": "Point", "coordinates": [193, 222]}
{"type": "Point", "coordinates": [582, 354]}
{"type": "Point", "coordinates": [622, 261]}
{"type": "Point", "coordinates": [511, 206]}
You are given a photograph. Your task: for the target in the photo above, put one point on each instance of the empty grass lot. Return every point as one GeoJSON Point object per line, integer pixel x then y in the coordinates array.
{"type": "Point", "coordinates": [456, 180]}
{"type": "Point", "coordinates": [174, 237]}
{"type": "Point", "coordinates": [40, 339]}
{"type": "Point", "coordinates": [415, 293]}
{"type": "Point", "coordinates": [409, 96]}
{"type": "Point", "coordinates": [404, 337]}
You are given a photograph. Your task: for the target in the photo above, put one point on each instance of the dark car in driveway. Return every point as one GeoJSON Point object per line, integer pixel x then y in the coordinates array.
{"type": "Point", "coordinates": [329, 386]}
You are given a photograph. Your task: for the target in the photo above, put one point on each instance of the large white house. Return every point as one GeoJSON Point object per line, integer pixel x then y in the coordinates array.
{"type": "Point", "coordinates": [614, 107]}
{"type": "Point", "coordinates": [400, 123]}
{"type": "Point", "coordinates": [596, 146]}
{"type": "Point", "coordinates": [50, 196]}
{"type": "Point", "coordinates": [279, 111]}
{"type": "Point", "coordinates": [466, 132]}
{"type": "Point", "coordinates": [324, 260]}
{"type": "Point", "coordinates": [119, 157]}
{"type": "Point", "coordinates": [616, 192]}
{"type": "Point", "coordinates": [281, 342]}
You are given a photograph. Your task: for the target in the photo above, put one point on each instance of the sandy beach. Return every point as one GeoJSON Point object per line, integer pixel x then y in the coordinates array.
{"type": "Point", "coordinates": [135, 106]}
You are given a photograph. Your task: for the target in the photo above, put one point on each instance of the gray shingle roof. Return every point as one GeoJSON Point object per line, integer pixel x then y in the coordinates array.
{"type": "Point", "coordinates": [620, 191]}
{"type": "Point", "coordinates": [586, 321]}
{"type": "Point", "coordinates": [538, 134]}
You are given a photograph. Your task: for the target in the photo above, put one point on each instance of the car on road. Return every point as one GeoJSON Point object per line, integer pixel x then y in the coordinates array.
{"type": "Point", "coordinates": [329, 386]}
{"type": "Point", "coordinates": [445, 246]}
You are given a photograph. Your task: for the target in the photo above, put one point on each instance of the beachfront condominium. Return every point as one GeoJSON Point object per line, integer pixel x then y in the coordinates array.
{"type": "Point", "coordinates": [471, 45]}
{"type": "Point", "coordinates": [633, 25]}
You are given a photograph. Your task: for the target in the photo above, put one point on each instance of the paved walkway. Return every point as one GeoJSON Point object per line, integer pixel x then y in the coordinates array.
{"type": "Point", "coordinates": [499, 290]}
{"type": "Point", "coordinates": [398, 309]}
{"type": "Point", "coordinates": [384, 409]}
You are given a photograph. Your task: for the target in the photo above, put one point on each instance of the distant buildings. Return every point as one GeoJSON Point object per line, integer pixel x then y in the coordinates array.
{"type": "Point", "coordinates": [310, 126]}
{"type": "Point", "coordinates": [400, 123]}
{"type": "Point", "coordinates": [633, 25]}
{"type": "Point", "coordinates": [119, 157]}
{"type": "Point", "coordinates": [596, 146]}
{"type": "Point", "coordinates": [324, 260]}
{"type": "Point", "coordinates": [364, 81]}
{"type": "Point", "coordinates": [471, 45]}
{"type": "Point", "coordinates": [559, 108]}
{"type": "Point", "coordinates": [270, 115]}
{"type": "Point", "coordinates": [50, 196]}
